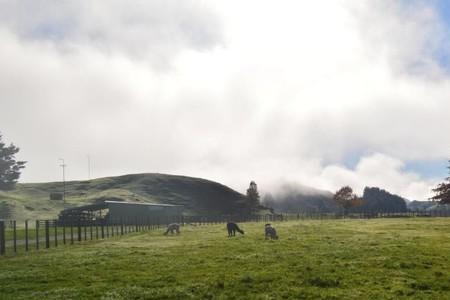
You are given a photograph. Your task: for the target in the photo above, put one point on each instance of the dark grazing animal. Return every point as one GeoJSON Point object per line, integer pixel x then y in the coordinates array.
{"type": "Point", "coordinates": [232, 228]}
{"type": "Point", "coordinates": [270, 232]}
{"type": "Point", "coordinates": [173, 227]}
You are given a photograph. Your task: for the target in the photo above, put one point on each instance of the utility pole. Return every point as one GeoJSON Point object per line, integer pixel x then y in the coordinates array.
{"type": "Point", "coordinates": [63, 166]}
{"type": "Point", "coordinates": [89, 166]}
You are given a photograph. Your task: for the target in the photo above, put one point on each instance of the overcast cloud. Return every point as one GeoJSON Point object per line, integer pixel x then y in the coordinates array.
{"type": "Point", "coordinates": [319, 93]}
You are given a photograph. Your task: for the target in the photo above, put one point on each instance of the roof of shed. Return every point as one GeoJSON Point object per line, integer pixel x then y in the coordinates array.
{"type": "Point", "coordinates": [140, 203]}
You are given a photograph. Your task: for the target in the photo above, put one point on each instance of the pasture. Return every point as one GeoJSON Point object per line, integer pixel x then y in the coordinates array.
{"type": "Point", "coordinates": [405, 258]}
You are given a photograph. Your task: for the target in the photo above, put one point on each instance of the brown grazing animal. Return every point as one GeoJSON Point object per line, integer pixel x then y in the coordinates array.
{"type": "Point", "coordinates": [232, 228]}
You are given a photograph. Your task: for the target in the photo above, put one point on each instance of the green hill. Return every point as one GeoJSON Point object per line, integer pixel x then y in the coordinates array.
{"type": "Point", "coordinates": [199, 196]}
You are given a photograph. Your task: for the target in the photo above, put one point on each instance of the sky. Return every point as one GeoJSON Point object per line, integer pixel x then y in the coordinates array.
{"type": "Point", "coordinates": [321, 93]}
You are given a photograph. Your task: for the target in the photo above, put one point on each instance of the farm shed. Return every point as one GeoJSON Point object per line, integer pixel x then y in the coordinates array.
{"type": "Point", "coordinates": [120, 211]}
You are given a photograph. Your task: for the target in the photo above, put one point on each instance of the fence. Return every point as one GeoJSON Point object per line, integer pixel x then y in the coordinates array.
{"type": "Point", "coordinates": [52, 233]}
{"type": "Point", "coordinates": [368, 215]}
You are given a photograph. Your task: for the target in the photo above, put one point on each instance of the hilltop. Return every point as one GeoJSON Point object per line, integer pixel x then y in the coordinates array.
{"type": "Point", "coordinates": [199, 196]}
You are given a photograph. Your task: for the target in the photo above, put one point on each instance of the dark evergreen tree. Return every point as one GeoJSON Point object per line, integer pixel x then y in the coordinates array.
{"type": "Point", "coordinates": [442, 191]}
{"type": "Point", "coordinates": [253, 195]}
{"type": "Point", "coordinates": [9, 166]}
{"type": "Point", "coordinates": [378, 200]}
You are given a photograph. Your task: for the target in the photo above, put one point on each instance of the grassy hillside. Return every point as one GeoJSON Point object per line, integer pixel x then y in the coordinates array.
{"type": "Point", "coordinates": [199, 196]}
{"type": "Point", "coordinates": [314, 259]}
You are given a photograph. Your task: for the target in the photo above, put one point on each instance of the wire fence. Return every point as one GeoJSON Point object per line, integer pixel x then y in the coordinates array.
{"type": "Point", "coordinates": [44, 234]}
{"type": "Point", "coordinates": [28, 236]}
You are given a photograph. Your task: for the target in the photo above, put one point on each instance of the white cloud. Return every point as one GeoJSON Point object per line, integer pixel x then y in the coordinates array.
{"type": "Point", "coordinates": [228, 91]}
{"type": "Point", "coordinates": [150, 31]}
{"type": "Point", "coordinates": [378, 170]}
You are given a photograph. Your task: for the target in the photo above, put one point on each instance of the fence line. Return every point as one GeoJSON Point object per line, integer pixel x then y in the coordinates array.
{"type": "Point", "coordinates": [53, 233]}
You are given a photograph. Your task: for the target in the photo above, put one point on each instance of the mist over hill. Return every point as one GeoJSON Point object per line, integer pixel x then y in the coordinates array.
{"type": "Point", "coordinates": [198, 196]}
{"type": "Point", "coordinates": [293, 198]}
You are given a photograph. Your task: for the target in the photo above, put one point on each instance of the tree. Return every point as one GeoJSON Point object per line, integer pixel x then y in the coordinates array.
{"type": "Point", "coordinates": [443, 191]}
{"type": "Point", "coordinates": [346, 199]}
{"type": "Point", "coordinates": [253, 195]}
{"type": "Point", "coordinates": [9, 166]}
{"type": "Point", "coordinates": [379, 200]}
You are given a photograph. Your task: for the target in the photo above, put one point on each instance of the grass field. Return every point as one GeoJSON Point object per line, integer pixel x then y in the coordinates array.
{"type": "Point", "coordinates": [336, 259]}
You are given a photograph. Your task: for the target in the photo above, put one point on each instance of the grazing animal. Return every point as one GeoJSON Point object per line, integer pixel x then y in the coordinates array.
{"type": "Point", "coordinates": [270, 232]}
{"type": "Point", "coordinates": [232, 228]}
{"type": "Point", "coordinates": [174, 227]}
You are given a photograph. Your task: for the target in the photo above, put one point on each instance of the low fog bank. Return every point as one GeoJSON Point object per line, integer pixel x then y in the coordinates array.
{"type": "Point", "coordinates": [297, 198]}
{"type": "Point", "coordinates": [291, 197]}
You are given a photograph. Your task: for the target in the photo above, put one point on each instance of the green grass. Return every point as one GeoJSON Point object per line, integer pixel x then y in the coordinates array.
{"type": "Point", "coordinates": [333, 259]}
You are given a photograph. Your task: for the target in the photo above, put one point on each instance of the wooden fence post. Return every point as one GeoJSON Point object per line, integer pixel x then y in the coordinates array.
{"type": "Point", "coordinates": [71, 232]}
{"type": "Point", "coordinates": [26, 235]}
{"type": "Point", "coordinates": [2, 238]}
{"type": "Point", "coordinates": [47, 234]}
{"type": "Point", "coordinates": [79, 230]}
{"type": "Point", "coordinates": [102, 227]}
{"type": "Point", "coordinates": [15, 236]}
{"type": "Point", "coordinates": [56, 232]}
{"type": "Point", "coordinates": [37, 234]}
{"type": "Point", "coordinates": [64, 232]}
